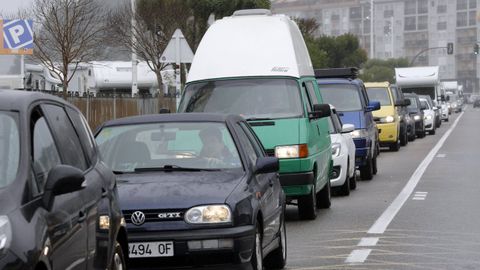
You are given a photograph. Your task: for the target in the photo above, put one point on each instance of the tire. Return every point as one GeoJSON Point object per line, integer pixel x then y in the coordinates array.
{"type": "Point", "coordinates": [344, 190]}
{"type": "Point", "coordinates": [324, 197]}
{"type": "Point", "coordinates": [404, 137]}
{"type": "Point", "coordinates": [118, 260]}
{"type": "Point", "coordinates": [277, 259]}
{"type": "Point", "coordinates": [396, 146]}
{"type": "Point", "coordinates": [366, 171]}
{"type": "Point", "coordinates": [374, 162]}
{"type": "Point", "coordinates": [307, 206]}
{"type": "Point", "coordinates": [256, 261]}
{"type": "Point", "coordinates": [432, 132]}
{"type": "Point", "coordinates": [353, 181]}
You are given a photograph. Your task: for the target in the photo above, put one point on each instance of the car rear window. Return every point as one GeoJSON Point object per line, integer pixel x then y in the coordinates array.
{"type": "Point", "coordinates": [9, 148]}
{"type": "Point", "coordinates": [344, 97]}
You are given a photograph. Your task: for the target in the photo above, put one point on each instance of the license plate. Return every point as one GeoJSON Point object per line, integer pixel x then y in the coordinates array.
{"type": "Point", "coordinates": [150, 249]}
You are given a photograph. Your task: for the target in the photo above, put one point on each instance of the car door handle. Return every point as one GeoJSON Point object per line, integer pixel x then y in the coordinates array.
{"type": "Point", "coordinates": [82, 216]}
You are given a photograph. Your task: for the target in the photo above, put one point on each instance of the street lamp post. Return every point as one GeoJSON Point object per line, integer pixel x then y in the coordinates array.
{"type": "Point", "coordinates": [372, 54]}
{"type": "Point", "coordinates": [134, 54]}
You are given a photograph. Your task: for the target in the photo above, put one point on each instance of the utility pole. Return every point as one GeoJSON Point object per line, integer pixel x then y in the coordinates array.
{"type": "Point", "coordinates": [134, 54]}
{"type": "Point", "coordinates": [372, 53]}
{"type": "Point", "coordinates": [392, 33]}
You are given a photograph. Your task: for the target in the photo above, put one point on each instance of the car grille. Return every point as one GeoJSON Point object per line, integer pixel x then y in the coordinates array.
{"type": "Point", "coordinates": [156, 215]}
{"type": "Point", "coordinates": [270, 152]}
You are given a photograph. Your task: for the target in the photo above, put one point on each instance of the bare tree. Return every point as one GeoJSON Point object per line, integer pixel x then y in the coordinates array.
{"type": "Point", "coordinates": [68, 32]}
{"type": "Point", "coordinates": [155, 23]}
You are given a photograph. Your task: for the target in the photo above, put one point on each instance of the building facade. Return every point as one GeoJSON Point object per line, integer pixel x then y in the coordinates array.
{"type": "Point", "coordinates": [403, 28]}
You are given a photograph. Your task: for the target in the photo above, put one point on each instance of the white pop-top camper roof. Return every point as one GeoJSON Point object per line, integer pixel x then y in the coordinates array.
{"type": "Point", "coordinates": [251, 43]}
{"type": "Point", "coordinates": [417, 76]}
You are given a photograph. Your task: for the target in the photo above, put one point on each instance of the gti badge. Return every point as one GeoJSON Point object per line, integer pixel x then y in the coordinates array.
{"type": "Point", "coordinates": [138, 218]}
{"type": "Point", "coordinates": [169, 215]}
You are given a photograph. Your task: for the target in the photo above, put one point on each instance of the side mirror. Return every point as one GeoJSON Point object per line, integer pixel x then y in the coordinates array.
{"type": "Point", "coordinates": [267, 165]}
{"type": "Point", "coordinates": [407, 102]}
{"type": "Point", "coordinates": [320, 111]}
{"type": "Point", "coordinates": [164, 110]}
{"type": "Point", "coordinates": [347, 128]}
{"type": "Point", "coordinates": [62, 179]}
{"type": "Point", "coordinates": [373, 106]}
{"type": "Point", "coordinates": [423, 107]}
{"type": "Point", "coordinates": [439, 107]}
{"type": "Point", "coordinates": [398, 103]}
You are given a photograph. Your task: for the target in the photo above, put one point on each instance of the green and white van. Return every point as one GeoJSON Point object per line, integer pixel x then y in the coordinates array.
{"type": "Point", "coordinates": [256, 64]}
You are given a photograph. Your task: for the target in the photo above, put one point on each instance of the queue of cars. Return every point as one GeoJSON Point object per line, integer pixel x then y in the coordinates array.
{"type": "Point", "coordinates": [208, 185]}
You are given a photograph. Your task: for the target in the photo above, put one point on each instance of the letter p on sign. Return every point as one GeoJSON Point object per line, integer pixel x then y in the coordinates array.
{"type": "Point", "coordinates": [17, 34]}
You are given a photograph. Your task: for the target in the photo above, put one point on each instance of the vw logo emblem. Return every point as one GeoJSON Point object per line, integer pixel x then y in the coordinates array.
{"type": "Point", "coordinates": [138, 218]}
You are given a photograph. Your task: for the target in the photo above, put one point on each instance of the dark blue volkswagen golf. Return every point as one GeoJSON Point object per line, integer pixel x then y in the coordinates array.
{"type": "Point", "coordinates": [196, 189]}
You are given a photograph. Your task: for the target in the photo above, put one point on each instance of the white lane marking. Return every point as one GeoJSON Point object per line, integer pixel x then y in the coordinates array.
{"type": "Point", "coordinates": [421, 193]}
{"type": "Point", "coordinates": [441, 155]}
{"type": "Point", "coordinates": [386, 218]}
{"type": "Point", "coordinates": [368, 242]}
{"type": "Point", "coordinates": [418, 199]}
{"type": "Point", "coordinates": [358, 256]}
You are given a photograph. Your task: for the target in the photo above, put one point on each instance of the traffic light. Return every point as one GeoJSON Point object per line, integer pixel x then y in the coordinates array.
{"type": "Point", "coordinates": [450, 48]}
{"type": "Point", "coordinates": [476, 48]}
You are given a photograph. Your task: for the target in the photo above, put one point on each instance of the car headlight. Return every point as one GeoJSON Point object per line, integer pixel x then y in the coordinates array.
{"type": "Point", "coordinates": [428, 117]}
{"type": "Point", "coordinates": [388, 119]}
{"type": "Point", "coordinates": [104, 222]}
{"type": "Point", "coordinates": [359, 133]}
{"type": "Point", "coordinates": [336, 147]}
{"type": "Point", "coordinates": [291, 151]}
{"type": "Point", "coordinates": [5, 233]}
{"type": "Point", "coordinates": [416, 117]}
{"type": "Point", "coordinates": [209, 214]}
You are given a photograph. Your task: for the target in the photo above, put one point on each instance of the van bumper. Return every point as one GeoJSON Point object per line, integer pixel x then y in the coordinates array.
{"type": "Point", "coordinates": [296, 184]}
{"type": "Point", "coordinates": [388, 134]}
{"type": "Point", "coordinates": [362, 151]}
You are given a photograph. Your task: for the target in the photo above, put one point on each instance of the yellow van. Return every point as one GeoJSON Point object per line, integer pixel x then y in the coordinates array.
{"type": "Point", "coordinates": [387, 119]}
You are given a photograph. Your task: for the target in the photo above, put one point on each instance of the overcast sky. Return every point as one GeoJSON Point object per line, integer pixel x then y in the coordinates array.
{"type": "Point", "coordinates": [12, 6]}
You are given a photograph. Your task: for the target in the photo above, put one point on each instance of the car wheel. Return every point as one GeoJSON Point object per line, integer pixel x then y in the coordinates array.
{"type": "Point", "coordinates": [344, 190]}
{"type": "Point", "coordinates": [277, 259]}
{"type": "Point", "coordinates": [432, 132]}
{"type": "Point", "coordinates": [366, 171]}
{"type": "Point", "coordinates": [353, 181]}
{"type": "Point", "coordinates": [324, 197]}
{"type": "Point", "coordinates": [395, 146]}
{"type": "Point", "coordinates": [307, 206]}
{"type": "Point", "coordinates": [256, 260]}
{"type": "Point", "coordinates": [404, 138]}
{"type": "Point", "coordinates": [118, 260]}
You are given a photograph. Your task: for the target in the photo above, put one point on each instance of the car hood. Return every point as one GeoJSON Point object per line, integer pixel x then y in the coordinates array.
{"type": "Point", "coordinates": [277, 132]}
{"type": "Point", "coordinates": [355, 118]}
{"type": "Point", "coordinates": [176, 190]}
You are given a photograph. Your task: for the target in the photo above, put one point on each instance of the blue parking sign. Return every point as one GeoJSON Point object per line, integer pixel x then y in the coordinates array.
{"type": "Point", "coordinates": [17, 34]}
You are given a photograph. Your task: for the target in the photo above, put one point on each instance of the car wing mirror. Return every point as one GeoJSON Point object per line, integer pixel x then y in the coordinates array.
{"type": "Point", "coordinates": [373, 106]}
{"type": "Point", "coordinates": [407, 102]}
{"type": "Point", "coordinates": [62, 179]}
{"type": "Point", "coordinates": [320, 111]}
{"type": "Point", "coordinates": [267, 165]}
{"type": "Point", "coordinates": [347, 128]}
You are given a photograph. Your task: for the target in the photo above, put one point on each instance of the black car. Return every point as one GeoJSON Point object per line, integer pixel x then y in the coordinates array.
{"type": "Point", "coordinates": [476, 103]}
{"type": "Point", "coordinates": [407, 124]}
{"type": "Point", "coordinates": [58, 202]}
{"type": "Point", "coordinates": [415, 110]}
{"type": "Point", "coordinates": [196, 189]}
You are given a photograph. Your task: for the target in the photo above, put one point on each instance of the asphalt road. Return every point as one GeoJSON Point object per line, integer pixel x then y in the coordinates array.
{"type": "Point", "coordinates": [421, 211]}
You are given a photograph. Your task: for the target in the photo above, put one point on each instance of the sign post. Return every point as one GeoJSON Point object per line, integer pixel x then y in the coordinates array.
{"type": "Point", "coordinates": [177, 52]}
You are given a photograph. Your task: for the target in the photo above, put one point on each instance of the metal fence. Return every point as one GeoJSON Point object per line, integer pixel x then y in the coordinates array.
{"type": "Point", "coordinates": [100, 109]}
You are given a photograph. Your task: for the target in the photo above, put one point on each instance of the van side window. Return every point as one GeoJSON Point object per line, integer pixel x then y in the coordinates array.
{"type": "Point", "coordinates": [307, 96]}
{"type": "Point", "coordinates": [311, 93]}
{"type": "Point", "coordinates": [44, 152]}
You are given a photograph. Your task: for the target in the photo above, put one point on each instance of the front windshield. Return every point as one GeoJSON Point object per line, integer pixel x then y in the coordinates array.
{"type": "Point", "coordinates": [379, 94]}
{"type": "Point", "coordinates": [413, 103]}
{"type": "Point", "coordinates": [251, 98]}
{"type": "Point", "coordinates": [344, 97]}
{"type": "Point", "coordinates": [9, 148]}
{"type": "Point", "coordinates": [186, 145]}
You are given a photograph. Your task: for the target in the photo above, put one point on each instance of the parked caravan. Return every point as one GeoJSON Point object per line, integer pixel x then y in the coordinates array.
{"type": "Point", "coordinates": [257, 65]}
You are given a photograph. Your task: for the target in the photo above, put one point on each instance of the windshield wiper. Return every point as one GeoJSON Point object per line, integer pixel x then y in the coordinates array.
{"type": "Point", "coordinates": [258, 119]}
{"type": "Point", "coordinates": [171, 168]}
